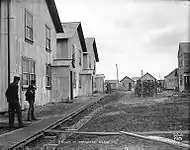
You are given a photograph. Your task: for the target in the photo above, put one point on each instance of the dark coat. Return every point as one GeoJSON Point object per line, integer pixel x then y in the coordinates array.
{"type": "Point", "coordinates": [30, 93]}
{"type": "Point", "coordinates": [12, 93]}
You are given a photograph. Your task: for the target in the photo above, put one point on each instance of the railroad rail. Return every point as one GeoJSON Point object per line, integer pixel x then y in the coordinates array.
{"type": "Point", "coordinates": [26, 141]}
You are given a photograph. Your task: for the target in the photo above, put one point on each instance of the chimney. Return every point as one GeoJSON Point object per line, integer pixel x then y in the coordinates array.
{"type": "Point", "coordinates": [141, 73]}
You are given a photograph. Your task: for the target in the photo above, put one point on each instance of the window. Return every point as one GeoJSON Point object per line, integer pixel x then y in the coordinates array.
{"type": "Point", "coordinates": [181, 80]}
{"type": "Point", "coordinates": [80, 78]}
{"type": "Point", "coordinates": [74, 79]}
{"type": "Point", "coordinates": [28, 71]}
{"type": "Point", "coordinates": [94, 65]}
{"type": "Point", "coordinates": [48, 75]}
{"type": "Point", "coordinates": [90, 61]}
{"type": "Point", "coordinates": [28, 26]}
{"type": "Point", "coordinates": [73, 55]}
{"type": "Point", "coordinates": [48, 38]}
{"type": "Point", "coordinates": [80, 61]}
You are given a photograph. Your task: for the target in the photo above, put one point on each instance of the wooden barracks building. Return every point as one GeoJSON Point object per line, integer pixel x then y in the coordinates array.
{"type": "Point", "coordinates": [34, 44]}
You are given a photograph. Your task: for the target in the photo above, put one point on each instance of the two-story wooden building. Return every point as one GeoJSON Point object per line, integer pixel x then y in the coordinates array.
{"type": "Point", "coordinates": [184, 66]}
{"type": "Point", "coordinates": [68, 65]}
{"type": "Point", "coordinates": [171, 80]}
{"type": "Point", "coordinates": [89, 67]}
{"type": "Point", "coordinates": [28, 46]}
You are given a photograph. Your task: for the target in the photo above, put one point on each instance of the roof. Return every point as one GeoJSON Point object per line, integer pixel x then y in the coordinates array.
{"type": "Point", "coordinates": [100, 75]}
{"type": "Point", "coordinates": [127, 78]}
{"type": "Point", "coordinates": [90, 41]}
{"type": "Point", "coordinates": [69, 29]}
{"type": "Point", "coordinates": [64, 35]}
{"type": "Point", "coordinates": [175, 70]}
{"type": "Point", "coordinates": [111, 81]}
{"type": "Point", "coordinates": [135, 78]}
{"type": "Point", "coordinates": [54, 15]}
{"type": "Point", "coordinates": [184, 47]}
{"type": "Point", "coordinates": [147, 74]}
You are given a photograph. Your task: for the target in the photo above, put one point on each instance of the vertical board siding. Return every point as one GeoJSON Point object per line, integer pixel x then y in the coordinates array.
{"type": "Point", "coordinates": [19, 47]}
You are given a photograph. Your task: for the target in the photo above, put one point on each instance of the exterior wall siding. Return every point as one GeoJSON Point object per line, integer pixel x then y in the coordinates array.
{"type": "Point", "coordinates": [78, 68]}
{"type": "Point", "coordinates": [3, 56]}
{"type": "Point", "coordinates": [61, 84]}
{"type": "Point", "coordinates": [171, 81]}
{"type": "Point", "coordinates": [36, 50]}
{"type": "Point", "coordinates": [99, 84]}
{"type": "Point", "coordinates": [184, 69]}
{"type": "Point", "coordinates": [86, 88]}
{"type": "Point", "coordinates": [125, 84]}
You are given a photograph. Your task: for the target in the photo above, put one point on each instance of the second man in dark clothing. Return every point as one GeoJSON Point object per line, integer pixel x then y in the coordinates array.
{"type": "Point", "coordinates": [30, 97]}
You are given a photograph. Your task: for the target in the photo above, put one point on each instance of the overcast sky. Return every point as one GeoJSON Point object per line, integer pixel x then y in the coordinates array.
{"type": "Point", "coordinates": [135, 34]}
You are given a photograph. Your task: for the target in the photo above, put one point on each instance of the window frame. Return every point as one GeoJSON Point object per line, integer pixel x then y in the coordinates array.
{"type": "Point", "coordinates": [74, 79]}
{"type": "Point", "coordinates": [80, 58]}
{"type": "Point", "coordinates": [48, 76]}
{"type": "Point", "coordinates": [31, 74]}
{"type": "Point", "coordinates": [29, 26]}
{"type": "Point", "coordinates": [73, 53]}
{"type": "Point", "coordinates": [90, 63]}
{"type": "Point", "coordinates": [80, 81]}
{"type": "Point", "coordinates": [47, 38]}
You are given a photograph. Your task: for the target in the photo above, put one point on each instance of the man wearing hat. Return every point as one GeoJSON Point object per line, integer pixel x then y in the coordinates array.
{"type": "Point", "coordinates": [13, 101]}
{"type": "Point", "coordinates": [30, 97]}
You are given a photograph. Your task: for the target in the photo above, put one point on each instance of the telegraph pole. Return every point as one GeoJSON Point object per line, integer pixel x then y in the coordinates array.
{"type": "Point", "coordinates": [142, 88]}
{"type": "Point", "coordinates": [117, 76]}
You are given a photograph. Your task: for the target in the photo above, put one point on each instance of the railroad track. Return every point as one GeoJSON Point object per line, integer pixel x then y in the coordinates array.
{"type": "Point", "coordinates": [32, 138]}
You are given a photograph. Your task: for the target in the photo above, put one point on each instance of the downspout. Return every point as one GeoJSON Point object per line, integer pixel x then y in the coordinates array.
{"type": "Point", "coordinates": [8, 38]}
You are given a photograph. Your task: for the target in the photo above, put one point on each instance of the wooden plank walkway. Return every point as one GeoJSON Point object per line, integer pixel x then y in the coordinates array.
{"type": "Point", "coordinates": [12, 138]}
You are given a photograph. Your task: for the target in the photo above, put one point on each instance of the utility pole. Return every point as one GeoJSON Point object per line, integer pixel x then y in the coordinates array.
{"type": "Point", "coordinates": [142, 88]}
{"type": "Point", "coordinates": [117, 76]}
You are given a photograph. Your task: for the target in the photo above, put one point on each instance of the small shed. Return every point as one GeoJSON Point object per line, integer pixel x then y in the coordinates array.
{"type": "Point", "coordinates": [127, 84]}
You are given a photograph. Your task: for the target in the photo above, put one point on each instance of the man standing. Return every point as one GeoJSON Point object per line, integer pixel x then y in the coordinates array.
{"type": "Point", "coordinates": [13, 101]}
{"type": "Point", "coordinates": [30, 97]}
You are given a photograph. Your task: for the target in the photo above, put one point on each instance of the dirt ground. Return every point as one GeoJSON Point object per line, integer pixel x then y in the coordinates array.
{"type": "Point", "coordinates": [133, 114]}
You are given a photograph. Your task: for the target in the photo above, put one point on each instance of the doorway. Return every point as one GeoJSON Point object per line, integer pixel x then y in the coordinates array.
{"type": "Point", "coordinates": [71, 84]}
{"type": "Point", "coordinates": [129, 86]}
{"type": "Point", "coordinates": [187, 83]}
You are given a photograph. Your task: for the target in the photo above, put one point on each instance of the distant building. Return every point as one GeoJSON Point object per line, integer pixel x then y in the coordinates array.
{"type": "Point", "coordinates": [89, 68]}
{"type": "Point", "coordinates": [184, 66]}
{"type": "Point", "coordinates": [135, 79]}
{"type": "Point", "coordinates": [171, 80]}
{"type": "Point", "coordinates": [127, 84]}
{"type": "Point", "coordinates": [68, 64]}
{"type": "Point", "coordinates": [99, 83]}
{"type": "Point", "coordinates": [161, 84]}
{"type": "Point", "coordinates": [113, 83]}
{"type": "Point", "coordinates": [148, 76]}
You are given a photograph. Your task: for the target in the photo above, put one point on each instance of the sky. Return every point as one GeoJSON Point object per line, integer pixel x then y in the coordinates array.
{"type": "Point", "coordinates": [134, 34]}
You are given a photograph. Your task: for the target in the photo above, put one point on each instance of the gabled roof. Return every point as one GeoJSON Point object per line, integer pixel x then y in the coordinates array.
{"type": "Point", "coordinates": [184, 47]}
{"type": "Point", "coordinates": [111, 81]}
{"type": "Point", "coordinates": [100, 75]}
{"type": "Point", "coordinates": [54, 15]}
{"type": "Point", "coordinates": [147, 74]}
{"type": "Point", "coordinates": [69, 29]}
{"type": "Point", "coordinates": [174, 71]}
{"type": "Point", "coordinates": [90, 41]}
{"type": "Point", "coordinates": [126, 77]}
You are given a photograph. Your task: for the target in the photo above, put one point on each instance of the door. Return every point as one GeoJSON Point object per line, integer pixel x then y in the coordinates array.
{"type": "Point", "coordinates": [71, 84]}
{"type": "Point", "coordinates": [129, 86]}
{"type": "Point", "coordinates": [187, 83]}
